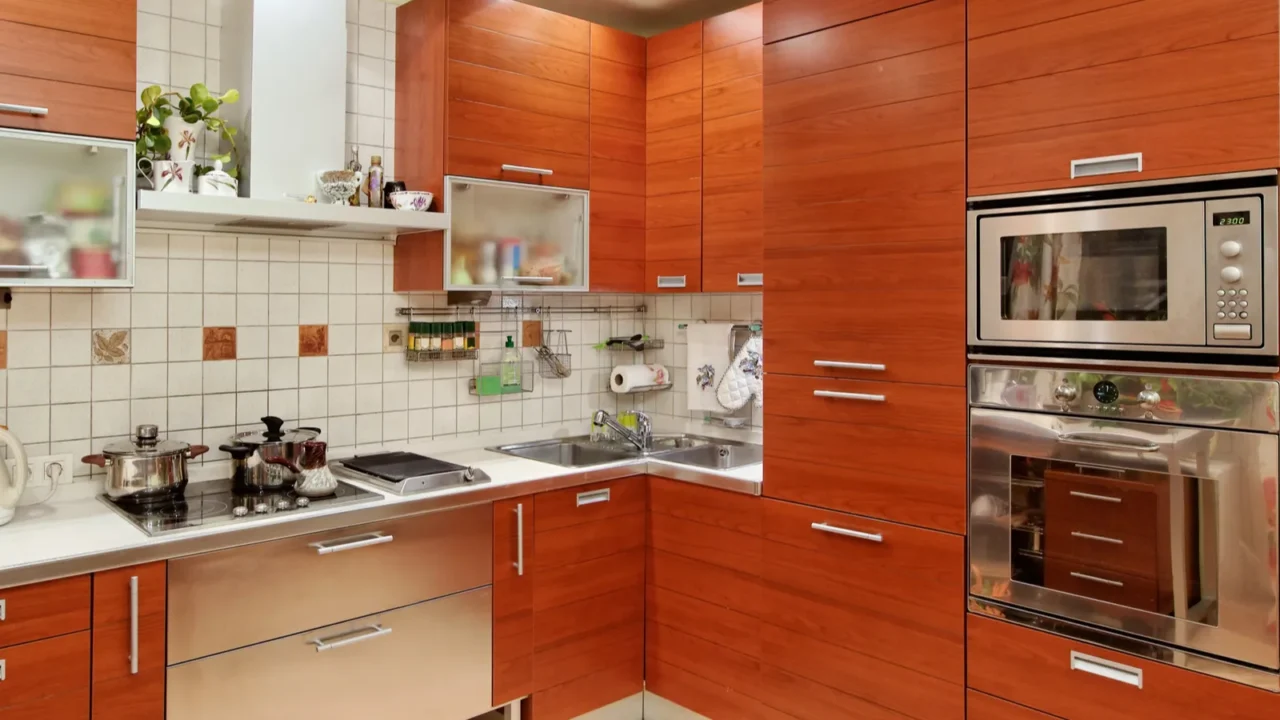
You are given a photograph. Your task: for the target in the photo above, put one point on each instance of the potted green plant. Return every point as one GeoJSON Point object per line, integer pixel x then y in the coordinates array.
{"type": "Point", "coordinates": [169, 125]}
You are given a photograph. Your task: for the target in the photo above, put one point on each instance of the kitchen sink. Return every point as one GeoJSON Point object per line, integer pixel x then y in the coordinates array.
{"type": "Point", "coordinates": [716, 456]}
{"type": "Point", "coordinates": [568, 452]}
{"type": "Point", "coordinates": [665, 443]}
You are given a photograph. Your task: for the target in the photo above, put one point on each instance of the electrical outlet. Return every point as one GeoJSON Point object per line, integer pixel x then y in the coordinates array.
{"type": "Point", "coordinates": [38, 465]}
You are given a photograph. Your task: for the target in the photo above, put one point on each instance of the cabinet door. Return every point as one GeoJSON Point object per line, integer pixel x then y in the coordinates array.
{"type": "Point", "coordinates": [984, 707]}
{"type": "Point", "coordinates": [46, 679]}
{"type": "Point", "coordinates": [513, 559]}
{"type": "Point", "coordinates": [35, 612]}
{"type": "Point", "coordinates": [128, 613]}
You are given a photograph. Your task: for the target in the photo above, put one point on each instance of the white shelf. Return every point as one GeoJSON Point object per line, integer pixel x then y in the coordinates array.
{"type": "Point", "coordinates": [183, 211]}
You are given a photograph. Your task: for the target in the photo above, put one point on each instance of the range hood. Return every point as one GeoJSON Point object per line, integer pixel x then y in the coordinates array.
{"type": "Point", "coordinates": [184, 211]}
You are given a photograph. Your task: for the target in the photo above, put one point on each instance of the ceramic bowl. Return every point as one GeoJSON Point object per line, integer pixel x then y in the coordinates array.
{"type": "Point", "coordinates": [411, 200]}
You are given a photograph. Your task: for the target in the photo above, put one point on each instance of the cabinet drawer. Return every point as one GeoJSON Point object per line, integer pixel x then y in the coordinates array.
{"type": "Point", "coordinates": [1101, 583]}
{"type": "Point", "coordinates": [329, 577]}
{"type": "Point", "coordinates": [1101, 523]}
{"type": "Point", "coordinates": [888, 591]}
{"type": "Point", "coordinates": [984, 707]}
{"type": "Point", "coordinates": [37, 673]}
{"type": "Point", "coordinates": [73, 109]}
{"type": "Point", "coordinates": [34, 612]}
{"type": "Point", "coordinates": [588, 503]}
{"type": "Point", "coordinates": [477, 159]}
{"type": "Point", "coordinates": [429, 660]}
{"type": "Point", "coordinates": [901, 459]}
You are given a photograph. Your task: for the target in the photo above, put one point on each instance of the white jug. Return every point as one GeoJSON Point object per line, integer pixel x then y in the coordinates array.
{"type": "Point", "coordinates": [11, 488]}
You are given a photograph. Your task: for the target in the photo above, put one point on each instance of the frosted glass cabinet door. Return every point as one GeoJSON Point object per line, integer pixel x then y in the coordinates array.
{"type": "Point", "coordinates": [507, 236]}
{"type": "Point", "coordinates": [66, 210]}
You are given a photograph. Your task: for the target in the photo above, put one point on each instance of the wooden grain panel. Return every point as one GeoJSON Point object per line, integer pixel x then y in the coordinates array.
{"type": "Point", "coordinates": [735, 134]}
{"type": "Point", "coordinates": [909, 171]}
{"type": "Point", "coordinates": [624, 212]}
{"type": "Point", "coordinates": [111, 650]}
{"type": "Point", "coordinates": [67, 57]}
{"type": "Point", "coordinates": [788, 18]}
{"type": "Point", "coordinates": [708, 506]}
{"type": "Point", "coordinates": [524, 21]}
{"type": "Point", "coordinates": [504, 52]}
{"type": "Point", "coordinates": [716, 663]}
{"type": "Point", "coordinates": [900, 600]}
{"type": "Point", "coordinates": [421, 97]}
{"type": "Point", "coordinates": [579, 659]}
{"type": "Point", "coordinates": [1032, 668]}
{"type": "Point", "coordinates": [733, 217]}
{"type": "Point", "coordinates": [898, 79]}
{"type": "Point", "coordinates": [673, 244]}
{"type": "Point", "coordinates": [571, 583]}
{"type": "Point", "coordinates": [513, 621]}
{"type": "Point", "coordinates": [673, 111]}
{"type": "Point", "coordinates": [733, 62]}
{"type": "Point", "coordinates": [135, 697]}
{"type": "Point", "coordinates": [704, 581]}
{"type": "Point", "coordinates": [808, 700]}
{"type": "Point", "coordinates": [674, 211]}
{"type": "Point", "coordinates": [72, 706]}
{"type": "Point", "coordinates": [1220, 138]}
{"type": "Point", "coordinates": [518, 128]}
{"type": "Point", "coordinates": [474, 158]}
{"type": "Point", "coordinates": [733, 27]}
{"type": "Point", "coordinates": [34, 612]}
{"type": "Point", "coordinates": [588, 541]}
{"type": "Point", "coordinates": [1115, 34]}
{"type": "Point", "coordinates": [559, 508]}
{"type": "Point", "coordinates": [706, 543]}
{"type": "Point", "coordinates": [617, 111]}
{"type": "Point", "coordinates": [723, 626]}
{"type": "Point", "coordinates": [733, 98]}
{"type": "Point", "coordinates": [590, 692]}
{"type": "Point", "coordinates": [480, 84]}
{"type": "Point", "coordinates": [915, 123]}
{"type": "Point", "coordinates": [720, 271]}
{"type": "Point", "coordinates": [111, 592]}
{"type": "Point", "coordinates": [733, 172]}
{"type": "Point", "coordinates": [987, 17]}
{"type": "Point", "coordinates": [419, 262]}
{"type": "Point", "coordinates": [615, 143]}
{"type": "Point", "coordinates": [704, 696]}
{"type": "Point", "coordinates": [617, 78]}
{"type": "Point", "coordinates": [675, 177]}
{"type": "Point", "coordinates": [44, 669]}
{"type": "Point", "coordinates": [691, 270]}
{"type": "Point", "coordinates": [674, 78]}
{"type": "Point", "coordinates": [676, 143]}
{"type": "Point", "coordinates": [617, 45]}
{"type": "Point", "coordinates": [613, 176]}
{"type": "Point", "coordinates": [673, 45]}
{"type": "Point", "coordinates": [615, 275]}
{"type": "Point", "coordinates": [73, 109]}
{"type": "Point", "coordinates": [571, 623]}
{"type": "Point", "coordinates": [914, 29]}
{"type": "Point", "coordinates": [113, 19]}
{"type": "Point", "coordinates": [984, 707]}
{"type": "Point", "coordinates": [1132, 591]}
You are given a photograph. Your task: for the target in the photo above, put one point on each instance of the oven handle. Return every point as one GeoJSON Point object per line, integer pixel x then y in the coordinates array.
{"type": "Point", "coordinates": [1107, 442]}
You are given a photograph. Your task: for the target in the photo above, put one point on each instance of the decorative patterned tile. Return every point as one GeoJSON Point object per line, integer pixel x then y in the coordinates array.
{"type": "Point", "coordinates": [219, 343]}
{"type": "Point", "coordinates": [313, 340]}
{"type": "Point", "coordinates": [111, 347]}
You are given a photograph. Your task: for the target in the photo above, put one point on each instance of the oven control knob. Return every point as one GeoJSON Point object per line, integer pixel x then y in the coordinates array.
{"type": "Point", "coordinates": [1230, 249]}
{"type": "Point", "coordinates": [1148, 399]}
{"type": "Point", "coordinates": [302, 502]}
{"type": "Point", "coordinates": [1231, 274]}
{"type": "Point", "coordinates": [239, 511]}
{"type": "Point", "coordinates": [284, 505]}
{"type": "Point", "coordinates": [262, 508]}
{"type": "Point", "coordinates": [1065, 393]}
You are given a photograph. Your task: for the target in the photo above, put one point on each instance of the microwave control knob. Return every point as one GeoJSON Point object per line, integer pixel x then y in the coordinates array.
{"type": "Point", "coordinates": [1065, 393]}
{"type": "Point", "coordinates": [1148, 399]}
{"type": "Point", "coordinates": [1231, 274]}
{"type": "Point", "coordinates": [1231, 249]}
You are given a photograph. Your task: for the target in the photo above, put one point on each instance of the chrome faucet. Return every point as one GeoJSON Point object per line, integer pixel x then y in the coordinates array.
{"type": "Point", "coordinates": [641, 437]}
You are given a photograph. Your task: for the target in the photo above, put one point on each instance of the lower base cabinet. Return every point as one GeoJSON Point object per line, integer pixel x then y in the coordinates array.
{"type": "Point", "coordinates": [123, 690]}
{"type": "Point", "coordinates": [46, 679]}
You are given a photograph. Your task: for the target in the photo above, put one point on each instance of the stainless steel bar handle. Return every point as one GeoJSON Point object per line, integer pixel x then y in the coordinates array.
{"type": "Point", "coordinates": [1, 669]}
{"type": "Point", "coordinates": [1091, 496]}
{"type": "Point", "coordinates": [750, 279]}
{"type": "Point", "coordinates": [848, 365]}
{"type": "Point", "coordinates": [591, 497]}
{"type": "Point", "coordinates": [672, 281]}
{"type": "Point", "coordinates": [527, 169]}
{"type": "Point", "coordinates": [34, 110]}
{"type": "Point", "coordinates": [520, 539]}
{"type": "Point", "coordinates": [1106, 669]}
{"type": "Point", "coordinates": [133, 625]}
{"type": "Point", "coordinates": [351, 638]}
{"type": "Point", "coordinates": [2, 609]}
{"type": "Point", "coordinates": [1106, 165]}
{"type": "Point", "coordinates": [847, 395]}
{"type": "Point", "coordinates": [328, 547]}
{"type": "Point", "coordinates": [1099, 538]}
{"type": "Point", "coordinates": [871, 537]}
{"type": "Point", "coordinates": [530, 279]}
{"type": "Point", "coordinates": [1107, 443]}
{"type": "Point", "coordinates": [1096, 579]}
{"type": "Point", "coordinates": [23, 268]}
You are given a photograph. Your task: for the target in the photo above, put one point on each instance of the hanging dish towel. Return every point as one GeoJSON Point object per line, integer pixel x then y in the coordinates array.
{"type": "Point", "coordinates": [707, 361]}
{"type": "Point", "coordinates": [745, 378]}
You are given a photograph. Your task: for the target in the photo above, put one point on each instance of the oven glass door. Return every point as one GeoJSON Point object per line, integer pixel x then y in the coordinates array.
{"type": "Point", "coordinates": [1159, 531]}
{"type": "Point", "coordinates": [1096, 277]}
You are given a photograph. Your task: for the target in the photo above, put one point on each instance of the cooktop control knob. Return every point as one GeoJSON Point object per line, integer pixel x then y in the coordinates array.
{"type": "Point", "coordinates": [284, 505]}
{"type": "Point", "coordinates": [262, 508]}
{"type": "Point", "coordinates": [239, 511]}
{"type": "Point", "coordinates": [1231, 274]}
{"type": "Point", "coordinates": [1066, 393]}
{"type": "Point", "coordinates": [301, 502]}
{"type": "Point", "coordinates": [1230, 249]}
{"type": "Point", "coordinates": [1148, 399]}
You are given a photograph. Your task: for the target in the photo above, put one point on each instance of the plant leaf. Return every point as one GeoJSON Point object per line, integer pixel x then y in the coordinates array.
{"type": "Point", "coordinates": [199, 93]}
{"type": "Point", "coordinates": [231, 96]}
{"type": "Point", "coordinates": [210, 105]}
{"type": "Point", "coordinates": [153, 121]}
{"type": "Point", "coordinates": [150, 95]}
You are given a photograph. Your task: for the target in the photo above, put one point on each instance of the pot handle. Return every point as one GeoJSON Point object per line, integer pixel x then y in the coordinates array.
{"type": "Point", "coordinates": [196, 451]}
{"type": "Point", "coordinates": [99, 460]}
{"type": "Point", "coordinates": [315, 430]}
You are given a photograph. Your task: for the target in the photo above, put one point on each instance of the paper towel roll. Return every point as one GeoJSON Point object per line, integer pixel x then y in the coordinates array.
{"type": "Point", "coordinates": [635, 378]}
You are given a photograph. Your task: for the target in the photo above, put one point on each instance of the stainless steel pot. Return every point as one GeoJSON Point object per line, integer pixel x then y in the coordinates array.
{"type": "Point", "coordinates": [145, 466]}
{"type": "Point", "coordinates": [282, 451]}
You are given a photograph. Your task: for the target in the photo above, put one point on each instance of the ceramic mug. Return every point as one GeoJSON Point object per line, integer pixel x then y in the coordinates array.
{"type": "Point", "coordinates": [167, 175]}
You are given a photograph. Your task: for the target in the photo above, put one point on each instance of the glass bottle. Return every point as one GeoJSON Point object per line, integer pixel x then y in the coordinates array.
{"type": "Point", "coordinates": [373, 182]}
{"type": "Point", "coordinates": [435, 336]}
{"type": "Point", "coordinates": [459, 336]}
{"type": "Point", "coordinates": [446, 341]}
{"type": "Point", "coordinates": [471, 335]}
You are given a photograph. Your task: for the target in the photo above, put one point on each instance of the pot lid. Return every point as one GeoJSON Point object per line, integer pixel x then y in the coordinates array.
{"type": "Point", "coordinates": [146, 442]}
{"type": "Point", "coordinates": [276, 434]}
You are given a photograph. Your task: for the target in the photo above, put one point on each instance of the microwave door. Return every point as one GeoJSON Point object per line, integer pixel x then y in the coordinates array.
{"type": "Point", "coordinates": [1158, 531]}
{"type": "Point", "coordinates": [1101, 278]}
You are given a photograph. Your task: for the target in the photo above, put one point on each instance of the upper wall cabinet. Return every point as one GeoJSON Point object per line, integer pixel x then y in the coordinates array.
{"type": "Point", "coordinates": [1158, 88]}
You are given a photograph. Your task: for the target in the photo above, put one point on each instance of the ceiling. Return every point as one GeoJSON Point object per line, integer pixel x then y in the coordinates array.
{"type": "Point", "coordinates": [642, 17]}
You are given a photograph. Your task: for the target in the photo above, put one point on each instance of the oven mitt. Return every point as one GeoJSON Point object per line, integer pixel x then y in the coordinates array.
{"type": "Point", "coordinates": [744, 379]}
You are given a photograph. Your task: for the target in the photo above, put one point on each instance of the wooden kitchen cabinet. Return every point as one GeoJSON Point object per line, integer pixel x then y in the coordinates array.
{"type": "Point", "coordinates": [1190, 86]}
{"type": "Point", "coordinates": [513, 554]}
{"type": "Point", "coordinates": [120, 692]}
{"type": "Point", "coordinates": [44, 649]}
{"type": "Point", "coordinates": [44, 610]}
{"type": "Point", "coordinates": [984, 707]}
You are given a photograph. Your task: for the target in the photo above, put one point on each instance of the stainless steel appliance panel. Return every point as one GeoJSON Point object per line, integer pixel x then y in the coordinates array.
{"type": "Point", "coordinates": [229, 599]}
{"type": "Point", "coordinates": [429, 660]}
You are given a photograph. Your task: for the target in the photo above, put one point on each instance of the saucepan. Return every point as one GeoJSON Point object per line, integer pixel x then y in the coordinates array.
{"type": "Point", "coordinates": [145, 466]}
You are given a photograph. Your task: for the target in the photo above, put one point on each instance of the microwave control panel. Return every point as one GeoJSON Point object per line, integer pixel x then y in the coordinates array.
{"type": "Point", "coordinates": [1233, 267]}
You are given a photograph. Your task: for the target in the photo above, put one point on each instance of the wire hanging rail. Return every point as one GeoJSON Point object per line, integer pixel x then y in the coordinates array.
{"type": "Point", "coordinates": [460, 310]}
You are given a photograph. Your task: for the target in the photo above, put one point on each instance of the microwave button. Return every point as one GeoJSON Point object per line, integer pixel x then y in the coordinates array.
{"type": "Point", "coordinates": [1231, 315]}
{"type": "Point", "coordinates": [1244, 303]}
{"type": "Point", "coordinates": [1232, 293]}
{"type": "Point", "coordinates": [1232, 331]}
{"type": "Point", "coordinates": [1231, 248]}
{"type": "Point", "coordinates": [1221, 292]}
{"type": "Point", "coordinates": [1222, 316]}
{"type": "Point", "coordinates": [1221, 304]}
{"type": "Point", "coordinates": [1244, 316]}
{"type": "Point", "coordinates": [1244, 292]}
{"type": "Point", "coordinates": [1231, 304]}
{"type": "Point", "coordinates": [1231, 274]}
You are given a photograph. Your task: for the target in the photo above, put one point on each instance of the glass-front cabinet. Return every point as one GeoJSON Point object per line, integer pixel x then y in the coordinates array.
{"type": "Point", "coordinates": [509, 236]}
{"type": "Point", "coordinates": [66, 211]}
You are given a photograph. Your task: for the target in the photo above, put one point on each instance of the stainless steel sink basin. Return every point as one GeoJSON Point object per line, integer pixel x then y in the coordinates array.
{"type": "Point", "coordinates": [567, 452]}
{"type": "Point", "coordinates": [665, 443]}
{"type": "Point", "coordinates": [716, 456]}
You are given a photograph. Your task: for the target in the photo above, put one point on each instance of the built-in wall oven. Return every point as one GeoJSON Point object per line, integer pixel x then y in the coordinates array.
{"type": "Point", "coordinates": [1132, 511]}
{"type": "Point", "coordinates": [1167, 273]}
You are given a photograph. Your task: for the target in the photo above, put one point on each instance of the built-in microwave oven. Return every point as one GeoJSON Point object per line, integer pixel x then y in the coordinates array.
{"type": "Point", "coordinates": [1169, 273]}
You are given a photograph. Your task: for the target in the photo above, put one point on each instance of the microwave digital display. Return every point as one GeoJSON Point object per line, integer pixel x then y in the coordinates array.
{"type": "Point", "coordinates": [1224, 219]}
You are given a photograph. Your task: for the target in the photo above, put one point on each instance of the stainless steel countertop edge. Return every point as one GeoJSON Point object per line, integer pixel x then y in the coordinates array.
{"type": "Point", "coordinates": [355, 515]}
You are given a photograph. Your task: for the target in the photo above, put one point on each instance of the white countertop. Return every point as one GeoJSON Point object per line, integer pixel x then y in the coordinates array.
{"type": "Point", "coordinates": [76, 525]}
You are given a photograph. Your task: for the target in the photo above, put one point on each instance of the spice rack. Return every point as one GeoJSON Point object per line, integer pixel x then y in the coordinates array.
{"type": "Point", "coordinates": [432, 341]}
